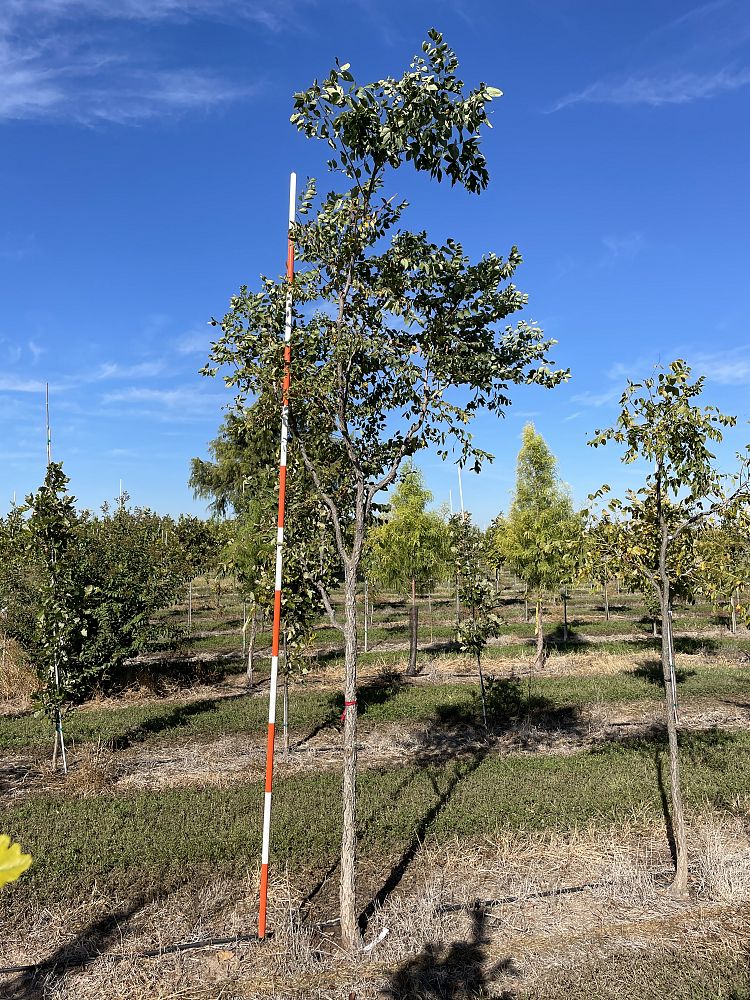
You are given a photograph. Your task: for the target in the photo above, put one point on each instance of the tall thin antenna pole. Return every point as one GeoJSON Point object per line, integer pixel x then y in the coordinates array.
{"type": "Point", "coordinates": [279, 566]}
{"type": "Point", "coordinates": [59, 741]}
{"type": "Point", "coordinates": [46, 414]}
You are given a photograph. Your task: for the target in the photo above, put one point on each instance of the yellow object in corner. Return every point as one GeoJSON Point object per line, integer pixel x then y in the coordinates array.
{"type": "Point", "coordinates": [12, 862]}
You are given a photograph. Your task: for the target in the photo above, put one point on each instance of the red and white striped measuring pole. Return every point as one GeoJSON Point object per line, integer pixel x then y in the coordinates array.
{"type": "Point", "coordinates": [279, 565]}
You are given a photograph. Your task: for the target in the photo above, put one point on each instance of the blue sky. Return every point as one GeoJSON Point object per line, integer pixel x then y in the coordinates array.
{"type": "Point", "coordinates": [145, 151]}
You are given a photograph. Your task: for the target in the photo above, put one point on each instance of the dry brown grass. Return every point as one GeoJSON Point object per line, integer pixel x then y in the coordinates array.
{"type": "Point", "coordinates": [18, 682]}
{"type": "Point", "coordinates": [514, 912]}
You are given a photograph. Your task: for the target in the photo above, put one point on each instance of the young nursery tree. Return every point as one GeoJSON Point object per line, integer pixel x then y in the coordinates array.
{"type": "Point", "coordinates": [542, 533]}
{"type": "Point", "coordinates": [722, 549]}
{"type": "Point", "coordinates": [660, 423]}
{"type": "Point", "coordinates": [51, 539]}
{"type": "Point", "coordinates": [397, 340]}
{"type": "Point", "coordinates": [473, 631]}
{"type": "Point", "coordinates": [408, 551]}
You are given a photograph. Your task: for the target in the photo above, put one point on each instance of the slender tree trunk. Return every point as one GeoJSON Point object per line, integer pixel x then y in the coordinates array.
{"type": "Point", "coordinates": [539, 661]}
{"type": "Point", "coordinates": [734, 611]}
{"type": "Point", "coordinates": [565, 617]}
{"type": "Point", "coordinates": [606, 593]}
{"type": "Point", "coordinates": [285, 743]}
{"type": "Point", "coordinates": [481, 689]}
{"type": "Point", "coordinates": [251, 644]}
{"type": "Point", "coordinates": [432, 620]}
{"type": "Point", "coordinates": [526, 606]}
{"type": "Point", "coordinates": [458, 597]}
{"type": "Point", "coordinates": [366, 637]}
{"type": "Point", "coordinates": [497, 580]}
{"type": "Point", "coordinates": [350, 934]}
{"type": "Point", "coordinates": [679, 884]}
{"type": "Point", "coordinates": [413, 630]}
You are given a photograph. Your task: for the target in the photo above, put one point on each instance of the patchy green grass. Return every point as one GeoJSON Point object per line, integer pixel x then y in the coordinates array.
{"type": "Point", "coordinates": [387, 701]}
{"type": "Point", "coordinates": [141, 839]}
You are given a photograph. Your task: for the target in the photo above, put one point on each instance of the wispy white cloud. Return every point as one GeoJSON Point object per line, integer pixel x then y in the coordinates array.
{"type": "Point", "coordinates": [12, 383]}
{"type": "Point", "coordinates": [107, 371]}
{"type": "Point", "coordinates": [731, 367]}
{"type": "Point", "coordinates": [597, 399]}
{"type": "Point", "coordinates": [35, 351]}
{"type": "Point", "coordinates": [67, 59]}
{"type": "Point", "coordinates": [623, 247]}
{"type": "Point", "coordinates": [271, 14]}
{"type": "Point", "coordinates": [182, 402]}
{"type": "Point", "coordinates": [689, 17]}
{"type": "Point", "coordinates": [194, 342]}
{"type": "Point", "coordinates": [659, 89]}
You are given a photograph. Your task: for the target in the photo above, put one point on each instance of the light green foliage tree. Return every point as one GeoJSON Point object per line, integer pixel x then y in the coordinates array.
{"type": "Point", "coordinates": [660, 423]}
{"type": "Point", "coordinates": [493, 547]}
{"type": "Point", "coordinates": [542, 533]}
{"type": "Point", "coordinates": [88, 588]}
{"type": "Point", "coordinates": [482, 621]}
{"type": "Point", "coordinates": [409, 550]}
{"type": "Point", "coordinates": [242, 478]}
{"type": "Point", "coordinates": [131, 563]}
{"type": "Point", "coordinates": [599, 557]}
{"type": "Point", "coordinates": [724, 562]}
{"type": "Point", "coordinates": [388, 324]}
{"type": "Point", "coordinates": [60, 626]}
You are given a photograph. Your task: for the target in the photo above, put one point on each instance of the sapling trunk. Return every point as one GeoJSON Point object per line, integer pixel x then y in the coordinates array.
{"type": "Point", "coordinates": [606, 594]}
{"type": "Point", "coordinates": [413, 630]}
{"type": "Point", "coordinates": [565, 617]}
{"type": "Point", "coordinates": [251, 644]}
{"type": "Point", "coordinates": [244, 628]}
{"type": "Point", "coordinates": [539, 661]}
{"type": "Point", "coordinates": [285, 743]}
{"type": "Point", "coordinates": [481, 689]}
{"type": "Point", "coordinates": [365, 619]}
{"type": "Point", "coordinates": [734, 612]}
{"type": "Point", "coordinates": [350, 934]}
{"type": "Point", "coordinates": [432, 621]}
{"type": "Point", "coordinates": [679, 884]}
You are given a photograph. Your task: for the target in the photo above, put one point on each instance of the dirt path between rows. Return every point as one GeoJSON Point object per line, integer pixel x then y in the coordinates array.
{"type": "Point", "coordinates": [238, 758]}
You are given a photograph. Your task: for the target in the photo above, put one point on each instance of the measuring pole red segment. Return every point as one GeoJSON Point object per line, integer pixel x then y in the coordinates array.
{"type": "Point", "coordinates": [279, 566]}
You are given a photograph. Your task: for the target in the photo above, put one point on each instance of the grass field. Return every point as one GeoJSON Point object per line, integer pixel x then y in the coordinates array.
{"type": "Point", "coordinates": [527, 860]}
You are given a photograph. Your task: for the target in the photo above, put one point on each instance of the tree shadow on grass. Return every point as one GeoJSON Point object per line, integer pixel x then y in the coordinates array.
{"type": "Point", "coordinates": [703, 645]}
{"type": "Point", "coordinates": [176, 717]}
{"type": "Point", "coordinates": [39, 981]}
{"type": "Point", "coordinates": [458, 971]}
{"type": "Point", "coordinates": [462, 770]}
{"type": "Point", "coordinates": [652, 672]}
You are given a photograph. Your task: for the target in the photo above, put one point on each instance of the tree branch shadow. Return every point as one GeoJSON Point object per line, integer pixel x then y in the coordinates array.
{"type": "Point", "coordinates": [37, 981]}
{"type": "Point", "coordinates": [442, 798]}
{"type": "Point", "coordinates": [457, 971]}
{"type": "Point", "coordinates": [665, 807]}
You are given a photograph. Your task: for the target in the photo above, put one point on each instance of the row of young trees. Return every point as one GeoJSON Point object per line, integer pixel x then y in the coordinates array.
{"type": "Point", "coordinates": [399, 341]}
{"type": "Point", "coordinates": [79, 590]}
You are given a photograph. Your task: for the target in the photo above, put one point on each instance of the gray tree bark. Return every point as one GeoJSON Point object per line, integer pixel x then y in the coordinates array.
{"type": "Point", "coordinates": [679, 883]}
{"type": "Point", "coordinates": [350, 933]}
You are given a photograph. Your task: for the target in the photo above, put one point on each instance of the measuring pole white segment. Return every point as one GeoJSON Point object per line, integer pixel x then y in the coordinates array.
{"type": "Point", "coordinates": [279, 570]}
